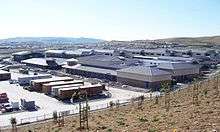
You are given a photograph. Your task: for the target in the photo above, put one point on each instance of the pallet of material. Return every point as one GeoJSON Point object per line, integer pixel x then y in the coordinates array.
{"type": "Point", "coordinates": [46, 88]}
{"type": "Point", "coordinates": [37, 84]}
{"type": "Point", "coordinates": [55, 89]}
{"type": "Point", "coordinates": [66, 93]}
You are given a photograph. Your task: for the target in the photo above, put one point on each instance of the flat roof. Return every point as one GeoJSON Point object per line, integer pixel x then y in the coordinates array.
{"type": "Point", "coordinates": [51, 79]}
{"type": "Point", "coordinates": [175, 58]}
{"type": "Point", "coordinates": [43, 61]}
{"type": "Point", "coordinates": [107, 62]}
{"type": "Point", "coordinates": [80, 87]}
{"type": "Point", "coordinates": [66, 86]}
{"type": "Point", "coordinates": [63, 82]}
{"type": "Point", "coordinates": [144, 70]}
{"type": "Point", "coordinates": [92, 69]}
{"type": "Point", "coordinates": [4, 72]}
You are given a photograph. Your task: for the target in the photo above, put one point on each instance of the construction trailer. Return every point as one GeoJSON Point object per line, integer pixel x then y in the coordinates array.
{"type": "Point", "coordinates": [92, 90]}
{"type": "Point", "coordinates": [3, 98]}
{"type": "Point", "coordinates": [27, 79]}
{"type": "Point", "coordinates": [47, 87]}
{"type": "Point", "coordinates": [37, 84]}
{"type": "Point", "coordinates": [55, 89]}
{"type": "Point", "coordinates": [28, 104]}
{"type": "Point", "coordinates": [4, 75]}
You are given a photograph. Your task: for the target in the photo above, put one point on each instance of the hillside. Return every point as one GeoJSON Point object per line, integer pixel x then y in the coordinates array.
{"type": "Point", "coordinates": [194, 41]}
{"type": "Point", "coordinates": [183, 114]}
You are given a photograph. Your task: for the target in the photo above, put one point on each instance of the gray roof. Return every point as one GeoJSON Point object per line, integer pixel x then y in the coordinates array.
{"type": "Point", "coordinates": [108, 62]}
{"type": "Point", "coordinates": [144, 70]}
{"type": "Point", "coordinates": [92, 69]}
{"type": "Point", "coordinates": [173, 66]}
{"type": "Point", "coordinates": [43, 61]}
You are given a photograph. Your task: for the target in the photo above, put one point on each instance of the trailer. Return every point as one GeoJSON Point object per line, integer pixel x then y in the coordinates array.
{"type": "Point", "coordinates": [46, 88]}
{"type": "Point", "coordinates": [91, 90]}
{"type": "Point", "coordinates": [36, 85]}
{"type": "Point", "coordinates": [55, 89]}
{"type": "Point", "coordinates": [27, 79]}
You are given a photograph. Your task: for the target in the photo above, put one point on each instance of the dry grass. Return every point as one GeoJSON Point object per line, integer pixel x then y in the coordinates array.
{"type": "Point", "coordinates": [183, 115]}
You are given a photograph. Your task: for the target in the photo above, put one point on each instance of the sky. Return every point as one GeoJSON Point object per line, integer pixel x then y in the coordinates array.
{"type": "Point", "coordinates": [109, 19]}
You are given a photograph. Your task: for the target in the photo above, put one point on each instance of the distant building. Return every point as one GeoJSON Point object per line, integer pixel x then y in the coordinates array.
{"type": "Point", "coordinates": [108, 62]}
{"type": "Point", "coordinates": [144, 77]}
{"type": "Point", "coordinates": [77, 53]}
{"type": "Point", "coordinates": [19, 56]}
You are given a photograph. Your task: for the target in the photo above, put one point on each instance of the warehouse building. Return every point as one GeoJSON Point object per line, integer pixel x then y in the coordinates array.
{"type": "Point", "coordinates": [4, 75]}
{"type": "Point", "coordinates": [69, 53]}
{"type": "Point", "coordinates": [23, 55]}
{"type": "Point", "coordinates": [91, 72]}
{"type": "Point", "coordinates": [144, 77]}
{"type": "Point", "coordinates": [77, 53]}
{"type": "Point", "coordinates": [100, 66]}
{"type": "Point", "coordinates": [45, 63]}
{"type": "Point", "coordinates": [108, 62]}
{"type": "Point", "coordinates": [46, 88]}
{"type": "Point", "coordinates": [26, 79]}
{"type": "Point", "coordinates": [38, 84]}
{"type": "Point", "coordinates": [181, 71]}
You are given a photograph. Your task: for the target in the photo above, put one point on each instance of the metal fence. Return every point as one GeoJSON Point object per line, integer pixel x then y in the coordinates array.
{"type": "Point", "coordinates": [48, 116]}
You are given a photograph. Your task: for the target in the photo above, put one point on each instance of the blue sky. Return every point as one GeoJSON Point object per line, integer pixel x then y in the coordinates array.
{"type": "Point", "coordinates": [109, 19]}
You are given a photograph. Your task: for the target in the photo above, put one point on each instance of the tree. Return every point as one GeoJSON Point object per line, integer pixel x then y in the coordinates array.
{"type": "Point", "coordinates": [166, 89]}
{"type": "Point", "coordinates": [55, 116]}
{"type": "Point", "coordinates": [14, 124]}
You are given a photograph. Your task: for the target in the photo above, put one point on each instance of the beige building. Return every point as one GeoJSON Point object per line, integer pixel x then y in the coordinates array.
{"type": "Point", "coordinates": [143, 76]}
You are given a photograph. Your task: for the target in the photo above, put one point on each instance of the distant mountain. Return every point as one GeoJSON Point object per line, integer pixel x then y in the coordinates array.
{"type": "Point", "coordinates": [52, 40]}
{"type": "Point", "coordinates": [194, 40]}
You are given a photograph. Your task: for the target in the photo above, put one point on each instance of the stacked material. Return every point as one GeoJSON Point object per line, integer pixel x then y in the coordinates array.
{"type": "Point", "coordinates": [37, 84]}
{"type": "Point", "coordinates": [47, 87]}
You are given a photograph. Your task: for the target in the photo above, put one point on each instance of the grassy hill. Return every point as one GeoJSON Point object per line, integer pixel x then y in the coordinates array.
{"type": "Point", "coordinates": [182, 115]}
{"type": "Point", "coordinates": [194, 41]}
